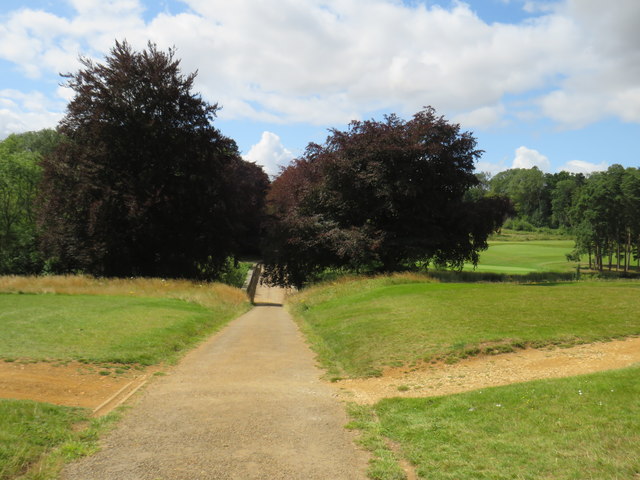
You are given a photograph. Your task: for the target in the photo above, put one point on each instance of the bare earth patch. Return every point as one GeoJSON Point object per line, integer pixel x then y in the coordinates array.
{"type": "Point", "coordinates": [71, 384]}
{"type": "Point", "coordinates": [429, 380]}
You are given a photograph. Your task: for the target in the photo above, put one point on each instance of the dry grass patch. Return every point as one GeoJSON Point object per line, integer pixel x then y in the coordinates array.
{"type": "Point", "coordinates": [202, 293]}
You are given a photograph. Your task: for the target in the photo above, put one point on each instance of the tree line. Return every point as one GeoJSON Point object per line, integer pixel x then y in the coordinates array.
{"type": "Point", "coordinates": [601, 210]}
{"type": "Point", "coordinates": [136, 181]}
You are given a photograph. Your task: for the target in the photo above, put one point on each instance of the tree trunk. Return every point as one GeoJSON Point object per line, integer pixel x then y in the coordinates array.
{"type": "Point", "coordinates": [627, 252]}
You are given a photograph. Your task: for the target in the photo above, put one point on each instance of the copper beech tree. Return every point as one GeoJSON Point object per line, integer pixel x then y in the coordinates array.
{"type": "Point", "coordinates": [142, 183]}
{"type": "Point", "coordinates": [380, 196]}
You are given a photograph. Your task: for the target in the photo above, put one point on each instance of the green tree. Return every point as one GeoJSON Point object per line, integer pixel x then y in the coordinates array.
{"type": "Point", "coordinates": [141, 184]}
{"type": "Point", "coordinates": [630, 190]}
{"type": "Point", "coordinates": [20, 171]}
{"type": "Point", "coordinates": [564, 186]}
{"type": "Point", "coordinates": [480, 190]}
{"type": "Point", "coordinates": [526, 189]}
{"type": "Point", "coordinates": [603, 215]}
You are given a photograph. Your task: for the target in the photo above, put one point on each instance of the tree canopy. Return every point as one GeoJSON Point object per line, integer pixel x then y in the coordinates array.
{"type": "Point", "coordinates": [381, 195]}
{"type": "Point", "coordinates": [605, 214]}
{"type": "Point", "coordinates": [143, 184]}
{"type": "Point", "coordinates": [20, 172]}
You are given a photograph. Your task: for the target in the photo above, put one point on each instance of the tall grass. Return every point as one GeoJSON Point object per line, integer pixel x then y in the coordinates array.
{"type": "Point", "coordinates": [202, 293]}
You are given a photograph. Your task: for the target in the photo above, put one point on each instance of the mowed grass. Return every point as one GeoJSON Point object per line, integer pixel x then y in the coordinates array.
{"type": "Point", "coordinates": [357, 326]}
{"type": "Point", "coordinates": [35, 438]}
{"type": "Point", "coordinates": [585, 427]}
{"type": "Point", "coordinates": [99, 328]}
{"type": "Point", "coordinates": [118, 321]}
{"type": "Point", "coordinates": [522, 257]}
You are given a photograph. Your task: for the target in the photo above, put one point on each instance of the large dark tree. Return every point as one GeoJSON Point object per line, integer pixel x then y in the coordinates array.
{"type": "Point", "coordinates": [141, 182]}
{"type": "Point", "coordinates": [381, 195]}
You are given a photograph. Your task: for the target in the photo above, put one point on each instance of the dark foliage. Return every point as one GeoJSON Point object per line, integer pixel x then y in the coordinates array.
{"type": "Point", "coordinates": [381, 195]}
{"type": "Point", "coordinates": [143, 183]}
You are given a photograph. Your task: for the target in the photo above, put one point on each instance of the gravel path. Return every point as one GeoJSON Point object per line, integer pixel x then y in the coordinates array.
{"type": "Point", "coordinates": [247, 404]}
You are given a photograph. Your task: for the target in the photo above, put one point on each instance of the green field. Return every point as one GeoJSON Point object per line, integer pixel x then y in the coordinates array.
{"type": "Point", "coordinates": [522, 257]}
{"type": "Point", "coordinates": [96, 328]}
{"type": "Point", "coordinates": [358, 326]}
{"type": "Point", "coordinates": [518, 253]}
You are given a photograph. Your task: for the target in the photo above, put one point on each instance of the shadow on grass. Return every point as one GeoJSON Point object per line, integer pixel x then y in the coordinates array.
{"type": "Point", "coordinates": [541, 278]}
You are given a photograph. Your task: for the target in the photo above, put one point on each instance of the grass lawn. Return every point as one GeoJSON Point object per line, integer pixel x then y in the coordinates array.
{"type": "Point", "coordinates": [98, 328]}
{"type": "Point", "coordinates": [358, 326]}
{"type": "Point", "coordinates": [112, 327]}
{"type": "Point", "coordinates": [585, 427]}
{"type": "Point", "coordinates": [521, 257]}
{"type": "Point", "coordinates": [517, 253]}
{"type": "Point", "coordinates": [44, 435]}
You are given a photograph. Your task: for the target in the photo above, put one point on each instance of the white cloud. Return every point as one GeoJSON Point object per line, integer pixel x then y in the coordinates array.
{"type": "Point", "coordinates": [482, 117]}
{"type": "Point", "coordinates": [529, 158]}
{"type": "Point", "coordinates": [602, 79]}
{"type": "Point", "coordinates": [491, 167]}
{"type": "Point", "coordinates": [536, 6]}
{"type": "Point", "coordinates": [329, 61]}
{"type": "Point", "coordinates": [269, 153]}
{"type": "Point", "coordinates": [21, 112]}
{"type": "Point", "coordinates": [579, 166]}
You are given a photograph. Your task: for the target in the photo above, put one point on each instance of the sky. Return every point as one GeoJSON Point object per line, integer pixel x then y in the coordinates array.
{"type": "Point", "coordinates": [553, 84]}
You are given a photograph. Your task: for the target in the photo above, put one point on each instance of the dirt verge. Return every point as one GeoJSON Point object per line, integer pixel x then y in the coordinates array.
{"type": "Point", "coordinates": [79, 385]}
{"type": "Point", "coordinates": [488, 371]}
{"type": "Point", "coordinates": [70, 384]}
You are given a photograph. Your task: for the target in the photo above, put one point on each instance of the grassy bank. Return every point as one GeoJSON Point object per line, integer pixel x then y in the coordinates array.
{"type": "Point", "coordinates": [205, 294]}
{"type": "Point", "coordinates": [357, 326]}
{"type": "Point", "coordinates": [36, 438]}
{"type": "Point", "coordinates": [97, 328]}
{"type": "Point", "coordinates": [117, 321]}
{"type": "Point", "coordinates": [585, 427]}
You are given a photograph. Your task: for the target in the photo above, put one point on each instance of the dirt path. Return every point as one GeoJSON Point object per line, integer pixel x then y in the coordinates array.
{"type": "Point", "coordinates": [248, 404]}
{"type": "Point", "coordinates": [490, 371]}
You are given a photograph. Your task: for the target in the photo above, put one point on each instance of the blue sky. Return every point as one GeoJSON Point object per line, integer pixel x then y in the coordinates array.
{"type": "Point", "coordinates": [552, 83]}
